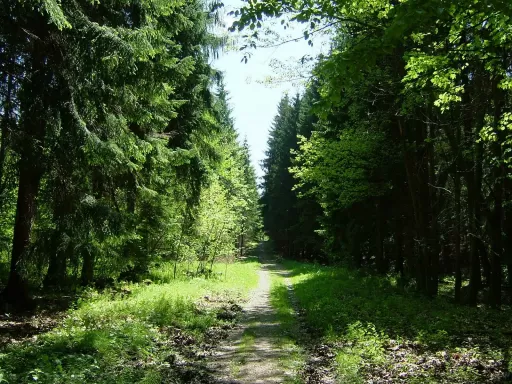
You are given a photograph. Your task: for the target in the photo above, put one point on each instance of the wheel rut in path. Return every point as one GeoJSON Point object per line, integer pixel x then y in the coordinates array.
{"type": "Point", "coordinates": [251, 353]}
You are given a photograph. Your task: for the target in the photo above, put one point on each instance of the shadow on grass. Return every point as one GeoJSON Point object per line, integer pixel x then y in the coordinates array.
{"type": "Point", "coordinates": [371, 318]}
{"type": "Point", "coordinates": [155, 333]}
{"type": "Point", "coordinates": [111, 349]}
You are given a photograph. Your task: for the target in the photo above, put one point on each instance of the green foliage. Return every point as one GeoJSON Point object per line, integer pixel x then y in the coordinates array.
{"type": "Point", "coordinates": [341, 172]}
{"type": "Point", "coordinates": [378, 329]}
{"type": "Point", "coordinates": [280, 301]}
{"type": "Point", "coordinates": [407, 151]}
{"type": "Point", "coordinates": [137, 159]}
{"type": "Point", "coordinates": [123, 335]}
{"type": "Point", "coordinates": [281, 207]}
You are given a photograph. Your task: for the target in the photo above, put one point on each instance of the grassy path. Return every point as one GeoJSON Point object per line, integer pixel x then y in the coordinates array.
{"type": "Point", "coordinates": [261, 349]}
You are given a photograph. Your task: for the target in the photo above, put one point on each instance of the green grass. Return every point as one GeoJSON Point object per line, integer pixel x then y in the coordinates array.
{"type": "Point", "coordinates": [289, 331]}
{"type": "Point", "coordinates": [248, 338]}
{"type": "Point", "coordinates": [164, 272]}
{"type": "Point", "coordinates": [246, 343]}
{"type": "Point", "coordinates": [376, 330]}
{"type": "Point", "coordinates": [124, 335]}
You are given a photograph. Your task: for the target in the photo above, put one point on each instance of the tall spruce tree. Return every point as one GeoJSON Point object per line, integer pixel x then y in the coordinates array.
{"type": "Point", "coordinates": [412, 143]}
{"type": "Point", "coordinates": [109, 115]}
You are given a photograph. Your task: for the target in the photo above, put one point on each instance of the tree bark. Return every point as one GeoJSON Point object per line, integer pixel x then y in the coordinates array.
{"type": "Point", "coordinates": [16, 291]}
{"type": "Point", "coordinates": [399, 241]}
{"type": "Point", "coordinates": [379, 239]}
{"type": "Point", "coordinates": [35, 105]}
{"type": "Point", "coordinates": [474, 187]}
{"type": "Point", "coordinates": [475, 280]}
{"type": "Point", "coordinates": [5, 132]}
{"type": "Point", "coordinates": [497, 213]}
{"type": "Point", "coordinates": [87, 275]}
{"type": "Point", "coordinates": [497, 247]}
{"type": "Point", "coordinates": [424, 210]}
{"type": "Point", "coordinates": [432, 205]}
{"type": "Point", "coordinates": [413, 187]}
{"type": "Point", "coordinates": [56, 274]}
{"type": "Point", "coordinates": [456, 240]}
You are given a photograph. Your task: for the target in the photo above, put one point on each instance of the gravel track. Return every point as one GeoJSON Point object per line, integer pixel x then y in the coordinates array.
{"type": "Point", "coordinates": [257, 361]}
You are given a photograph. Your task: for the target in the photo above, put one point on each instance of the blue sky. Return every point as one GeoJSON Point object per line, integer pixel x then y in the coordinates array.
{"type": "Point", "coordinates": [255, 104]}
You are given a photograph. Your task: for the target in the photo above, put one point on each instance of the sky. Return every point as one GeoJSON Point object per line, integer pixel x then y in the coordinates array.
{"type": "Point", "coordinates": [254, 104]}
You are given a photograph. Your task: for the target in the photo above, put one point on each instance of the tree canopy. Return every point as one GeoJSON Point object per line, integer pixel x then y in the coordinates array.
{"type": "Point", "coordinates": [409, 155]}
{"type": "Point", "coordinates": [117, 145]}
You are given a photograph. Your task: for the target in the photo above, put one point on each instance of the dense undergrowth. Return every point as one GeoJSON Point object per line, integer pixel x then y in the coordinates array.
{"type": "Point", "coordinates": [133, 333]}
{"type": "Point", "coordinates": [377, 333]}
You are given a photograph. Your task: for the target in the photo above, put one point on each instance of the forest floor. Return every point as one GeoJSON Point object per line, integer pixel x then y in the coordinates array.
{"type": "Point", "coordinates": [263, 321]}
{"type": "Point", "coordinates": [370, 329]}
{"type": "Point", "coordinates": [159, 331]}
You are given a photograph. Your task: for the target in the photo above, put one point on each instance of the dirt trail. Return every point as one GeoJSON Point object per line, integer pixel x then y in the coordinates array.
{"type": "Point", "coordinates": [250, 354]}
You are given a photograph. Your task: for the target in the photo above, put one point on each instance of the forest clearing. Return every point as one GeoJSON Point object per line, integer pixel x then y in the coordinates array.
{"type": "Point", "coordinates": [343, 215]}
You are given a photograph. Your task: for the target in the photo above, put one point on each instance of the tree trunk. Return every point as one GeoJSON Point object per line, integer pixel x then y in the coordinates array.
{"type": "Point", "coordinates": [16, 291]}
{"type": "Point", "coordinates": [474, 186]}
{"type": "Point", "coordinates": [87, 269]}
{"type": "Point", "coordinates": [379, 239]}
{"type": "Point", "coordinates": [484, 260]}
{"type": "Point", "coordinates": [424, 204]}
{"type": "Point", "coordinates": [507, 230]}
{"type": "Point", "coordinates": [509, 282]}
{"type": "Point", "coordinates": [35, 108]}
{"type": "Point", "coordinates": [497, 242]}
{"type": "Point", "coordinates": [56, 275]}
{"type": "Point", "coordinates": [433, 203]}
{"type": "Point", "coordinates": [399, 240]}
{"type": "Point", "coordinates": [410, 170]}
{"type": "Point", "coordinates": [5, 132]}
{"type": "Point", "coordinates": [410, 258]}
{"type": "Point", "coordinates": [497, 213]}
{"type": "Point", "coordinates": [456, 238]}
{"type": "Point", "coordinates": [475, 279]}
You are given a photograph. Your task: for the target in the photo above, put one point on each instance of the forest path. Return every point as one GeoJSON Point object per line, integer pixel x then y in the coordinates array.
{"type": "Point", "coordinates": [251, 354]}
